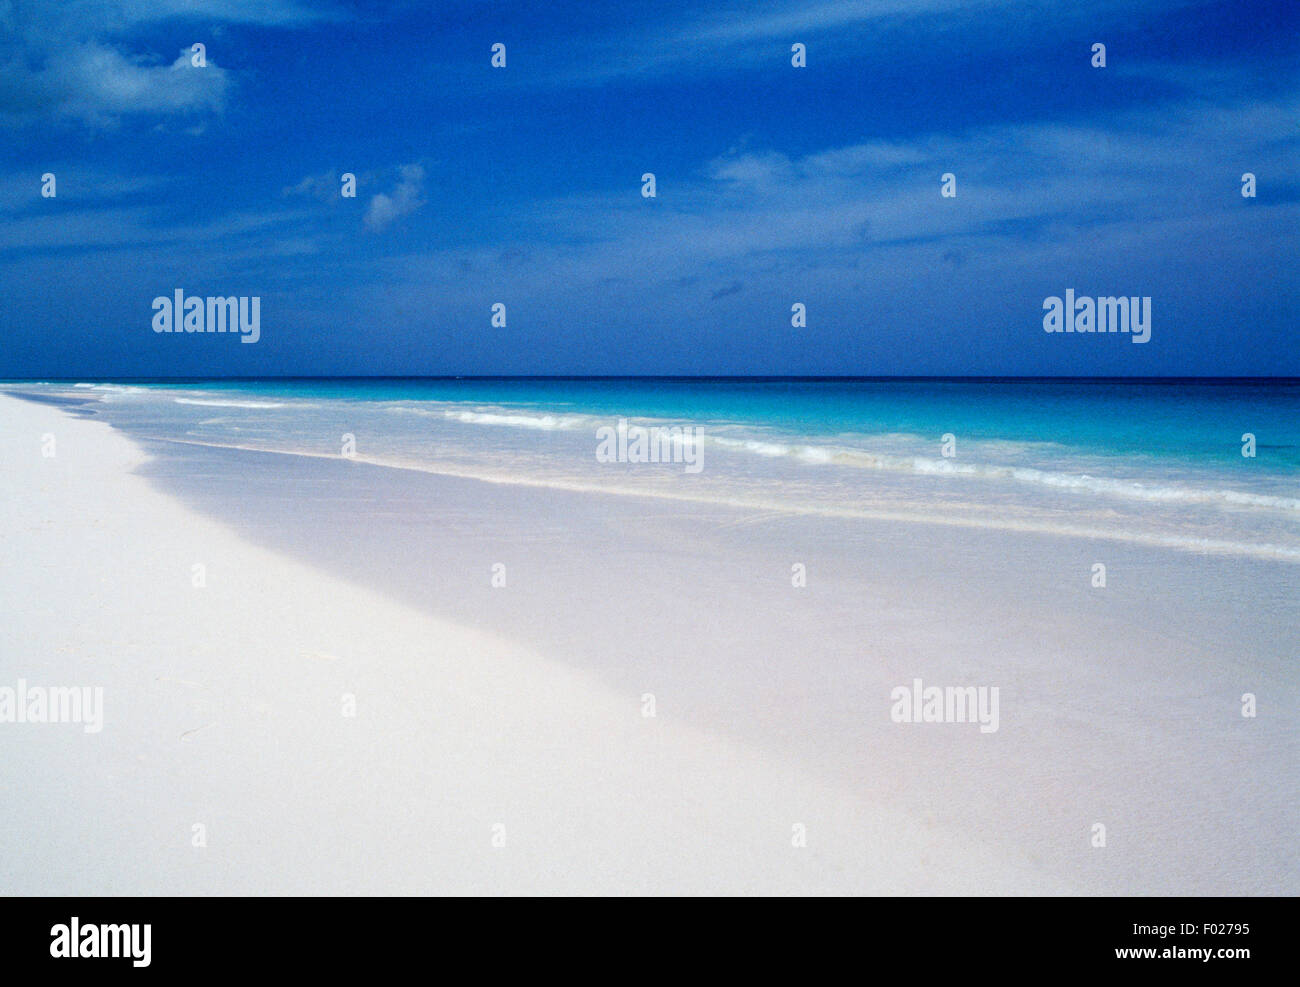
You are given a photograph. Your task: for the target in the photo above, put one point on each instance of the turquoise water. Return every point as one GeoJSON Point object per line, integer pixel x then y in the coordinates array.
{"type": "Point", "coordinates": [1183, 419]}
{"type": "Point", "coordinates": [1154, 462]}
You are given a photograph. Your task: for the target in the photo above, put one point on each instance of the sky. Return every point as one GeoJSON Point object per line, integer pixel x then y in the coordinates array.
{"type": "Point", "coordinates": [774, 185]}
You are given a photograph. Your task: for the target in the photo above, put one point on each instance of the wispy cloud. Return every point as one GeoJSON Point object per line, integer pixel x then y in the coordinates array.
{"type": "Point", "coordinates": [324, 187]}
{"type": "Point", "coordinates": [1027, 191]}
{"type": "Point", "coordinates": [725, 39]}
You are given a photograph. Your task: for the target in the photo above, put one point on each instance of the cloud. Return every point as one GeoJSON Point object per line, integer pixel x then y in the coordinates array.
{"type": "Point", "coordinates": [324, 187]}
{"type": "Point", "coordinates": [758, 171]}
{"type": "Point", "coordinates": [97, 225]}
{"type": "Point", "coordinates": [97, 84]}
{"type": "Point", "coordinates": [798, 20]}
{"type": "Point", "coordinates": [1031, 198]}
{"type": "Point", "coordinates": [75, 60]}
{"type": "Point", "coordinates": [83, 19]}
{"type": "Point", "coordinates": [77, 184]}
{"type": "Point", "coordinates": [726, 38]}
{"type": "Point", "coordinates": [404, 199]}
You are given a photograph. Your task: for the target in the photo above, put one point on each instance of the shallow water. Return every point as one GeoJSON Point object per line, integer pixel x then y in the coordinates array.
{"type": "Point", "coordinates": [1157, 464]}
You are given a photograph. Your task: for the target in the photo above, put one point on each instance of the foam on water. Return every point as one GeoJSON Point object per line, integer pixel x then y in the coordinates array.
{"type": "Point", "coordinates": [229, 404]}
{"type": "Point", "coordinates": [917, 514]}
{"type": "Point", "coordinates": [1057, 459]}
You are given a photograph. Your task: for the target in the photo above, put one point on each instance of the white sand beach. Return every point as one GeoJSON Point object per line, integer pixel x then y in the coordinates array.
{"type": "Point", "coordinates": [224, 705]}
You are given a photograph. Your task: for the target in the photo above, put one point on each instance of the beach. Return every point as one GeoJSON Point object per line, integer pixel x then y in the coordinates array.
{"type": "Point", "coordinates": [386, 679]}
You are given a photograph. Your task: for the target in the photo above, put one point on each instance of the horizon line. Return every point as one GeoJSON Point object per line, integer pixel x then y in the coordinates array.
{"type": "Point", "coordinates": [731, 378]}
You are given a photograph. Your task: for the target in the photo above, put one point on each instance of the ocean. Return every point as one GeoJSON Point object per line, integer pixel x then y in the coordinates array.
{"type": "Point", "coordinates": [1190, 465]}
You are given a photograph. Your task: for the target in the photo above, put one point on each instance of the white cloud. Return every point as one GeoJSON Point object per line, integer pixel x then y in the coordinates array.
{"type": "Point", "coordinates": [74, 59]}
{"type": "Point", "coordinates": [98, 85]}
{"type": "Point", "coordinates": [405, 199]}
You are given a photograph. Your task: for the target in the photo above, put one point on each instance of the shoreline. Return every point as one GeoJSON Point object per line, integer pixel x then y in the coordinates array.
{"type": "Point", "coordinates": [710, 754]}
{"type": "Point", "coordinates": [1194, 492]}
{"type": "Point", "coordinates": [238, 729]}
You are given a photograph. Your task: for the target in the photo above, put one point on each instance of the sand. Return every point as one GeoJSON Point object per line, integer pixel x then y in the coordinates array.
{"type": "Point", "coordinates": [226, 763]}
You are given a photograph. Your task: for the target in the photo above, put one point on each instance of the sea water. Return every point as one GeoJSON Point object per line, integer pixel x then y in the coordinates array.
{"type": "Point", "coordinates": [1203, 466]}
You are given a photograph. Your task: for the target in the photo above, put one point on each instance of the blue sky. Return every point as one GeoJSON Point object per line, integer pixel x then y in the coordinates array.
{"type": "Point", "coordinates": [775, 185]}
